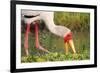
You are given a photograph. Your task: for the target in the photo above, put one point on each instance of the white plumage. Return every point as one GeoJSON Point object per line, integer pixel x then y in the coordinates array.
{"type": "Point", "coordinates": [48, 18]}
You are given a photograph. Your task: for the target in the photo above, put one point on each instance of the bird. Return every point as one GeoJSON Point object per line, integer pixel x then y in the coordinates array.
{"type": "Point", "coordinates": [31, 17]}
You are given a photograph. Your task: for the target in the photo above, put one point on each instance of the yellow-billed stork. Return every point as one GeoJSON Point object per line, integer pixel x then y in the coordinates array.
{"type": "Point", "coordinates": [30, 16]}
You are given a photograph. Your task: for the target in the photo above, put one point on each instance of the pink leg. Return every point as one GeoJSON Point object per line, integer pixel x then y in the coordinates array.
{"type": "Point", "coordinates": [26, 39]}
{"type": "Point", "coordinates": [37, 45]}
{"type": "Point", "coordinates": [36, 35]}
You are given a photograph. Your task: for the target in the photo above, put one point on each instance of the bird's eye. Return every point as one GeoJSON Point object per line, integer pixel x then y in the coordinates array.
{"type": "Point", "coordinates": [30, 16]}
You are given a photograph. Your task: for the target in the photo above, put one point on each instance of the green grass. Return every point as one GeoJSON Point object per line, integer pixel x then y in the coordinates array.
{"type": "Point", "coordinates": [55, 45]}
{"type": "Point", "coordinates": [77, 21]}
{"type": "Point", "coordinates": [54, 57]}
